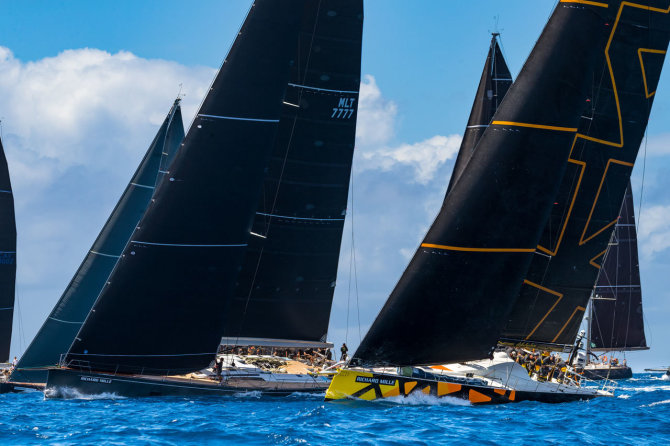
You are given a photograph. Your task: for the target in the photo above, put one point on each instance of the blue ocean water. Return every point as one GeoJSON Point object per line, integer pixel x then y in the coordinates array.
{"type": "Point", "coordinates": [640, 414]}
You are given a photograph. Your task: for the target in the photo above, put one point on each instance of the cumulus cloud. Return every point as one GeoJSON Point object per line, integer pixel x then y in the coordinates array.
{"type": "Point", "coordinates": [75, 127]}
{"type": "Point", "coordinates": [376, 120]}
{"type": "Point", "coordinates": [654, 230]}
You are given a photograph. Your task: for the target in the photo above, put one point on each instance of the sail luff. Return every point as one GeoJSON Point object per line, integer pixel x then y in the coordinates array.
{"type": "Point", "coordinates": [65, 319]}
{"type": "Point", "coordinates": [285, 289]}
{"type": "Point", "coordinates": [557, 289]}
{"type": "Point", "coordinates": [493, 86]}
{"type": "Point", "coordinates": [454, 297]}
{"type": "Point", "coordinates": [7, 257]}
{"type": "Point", "coordinates": [617, 321]}
{"type": "Point", "coordinates": [174, 280]}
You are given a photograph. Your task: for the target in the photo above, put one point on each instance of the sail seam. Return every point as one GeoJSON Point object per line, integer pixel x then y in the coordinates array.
{"type": "Point", "coordinates": [235, 118]}
{"type": "Point", "coordinates": [536, 126]}
{"type": "Point", "coordinates": [104, 255]}
{"type": "Point", "coordinates": [321, 89]}
{"type": "Point", "coordinates": [65, 322]}
{"type": "Point", "coordinates": [298, 218]}
{"type": "Point", "coordinates": [188, 245]}
{"type": "Point", "coordinates": [143, 185]}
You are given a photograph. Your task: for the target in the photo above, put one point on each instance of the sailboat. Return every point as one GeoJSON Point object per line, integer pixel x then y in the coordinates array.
{"type": "Point", "coordinates": [201, 260]}
{"type": "Point", "coordinates": [471, 287]}
{"type": "Point", "coordinates": [615, 321]}
{"type": "Point", "coordinates": [7, 267]}
{"type": "Point", "coordinates": [66, 318]}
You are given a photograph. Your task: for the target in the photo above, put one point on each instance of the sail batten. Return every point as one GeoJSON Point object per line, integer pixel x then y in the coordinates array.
{"type": "Point", "coordinates": [61, 326]}
{"type": "Point", "coordinates": [172, 300]}
{"type": "Point", "coordinates": [598, 169]}
{"type": "Point", "coordinates": [459, 299]}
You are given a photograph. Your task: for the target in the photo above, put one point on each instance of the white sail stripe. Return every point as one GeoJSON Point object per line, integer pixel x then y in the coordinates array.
{"type": "Point", "coordinates": [188, 246]}
{"type": "Point", "coordinates": [617, 286]}
{"type": "Point", "coordinates": [501, 79]}
{"type": "Point", "coordinates": [142, 185]}
{"type": "Point", "coordinates": [6, 191]}
{"type": "Point", "coordinates": [258, 235]}
{"type": "Point", "coordinates": [322, 89]}
{"type": "Point", "coordinates": [8, 308]}
{"type": "Point", "coordinates": [626, 224]}
{"type": "Point", "coordinates": [299, 218]}
{"type": "Point", "coordinates": [7, 252]}
{"type": "Point", "coordinates": [233, 118]}
{"type": "Point", "coordinates": [65, 322]}
{"type": "Point", "coordinates": [478, 126]}
{"type": "Point", "coordinates": [292, 105]}
{"type": "Point", "coordinates": [103, 254]}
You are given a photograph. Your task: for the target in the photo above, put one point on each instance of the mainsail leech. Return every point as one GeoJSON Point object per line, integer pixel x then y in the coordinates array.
{"type": "Point", "coordinates": [455, 296]}
{"type": "Point", "coordinates": [7, 257]}
{"type": "Point", "coordinates": [617, 322]}
{"type": "Point", "coordinates": [61, 326]}
{"type": "Point", "coordinates": [558, 286]}
{"type": "Point", "coordinates": [162, 310]}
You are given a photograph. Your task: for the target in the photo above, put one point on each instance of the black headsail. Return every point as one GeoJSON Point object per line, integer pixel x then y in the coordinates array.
{"type": "Point", "coordinates": [285, 289]}
{"type": "Point", "coordinates": [558, 286]}
{"type": "Point", "coordinates": [163, 307]}
{"type": "Point", "coordinates": [454, 297]}
{"type": "Point", "coordinates": [616, 305]}
{"type": "Point", "coordinates": [66, 318]}
{"type": "Point", "coordinates": [495, 81]}
{"type": "Point", "coordinates": [7, 257]}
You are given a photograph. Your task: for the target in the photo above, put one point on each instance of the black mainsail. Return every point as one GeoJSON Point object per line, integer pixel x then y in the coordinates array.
{"type": "Point", "coordinates": [616, 321]}
{"type": "Point", "coordinates": [61, 326]}
{"type": "Point", "coordinates": [558, 286]}
{"type": "Point", "coordinates": [493, 85]}
{"type": "Point", "coordinates": [285, 289]}
{"type": "Point", "coordinates": [7, 257]}
{"type": "Point", "coordinates": [455, 296]}
{"type": "Point", "coordinates": [162, 309]}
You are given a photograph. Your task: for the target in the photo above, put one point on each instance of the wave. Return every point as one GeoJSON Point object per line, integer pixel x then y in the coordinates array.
{"type": "Point", "coordinates": [70, 393]}
{"type": "Point", "coordinates": [657, 403]}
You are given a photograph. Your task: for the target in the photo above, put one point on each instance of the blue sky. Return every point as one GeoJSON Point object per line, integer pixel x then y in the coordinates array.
{"type": "Point", "coordinates": [84, 86]}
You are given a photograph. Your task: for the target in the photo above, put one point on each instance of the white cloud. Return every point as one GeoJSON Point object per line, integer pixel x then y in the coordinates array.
{"type": "Point", "coordinates": [377, 118]}
{"type": "Point", "coordinates": [425, 157]}
{"type": "Point", "coordinates": [654, 230]}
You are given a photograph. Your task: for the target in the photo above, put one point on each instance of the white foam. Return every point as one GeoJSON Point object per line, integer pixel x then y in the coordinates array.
{"type": "Point", "coordinates": [657, 403]}
{"type": "Point", "coordinates": [69, 393]}
{"type": "Point", "coordinates": [421, 399]}
{"type": "Point", "coordinates": [250, 394]}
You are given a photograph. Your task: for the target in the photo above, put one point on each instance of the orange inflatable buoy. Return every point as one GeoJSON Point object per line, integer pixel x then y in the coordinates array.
{"type": "Point", "coordinates": [604, 359]}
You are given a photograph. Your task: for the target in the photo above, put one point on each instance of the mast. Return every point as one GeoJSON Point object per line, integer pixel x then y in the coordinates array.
{"type": "Point", "coordinates": [493, 85]}
{"type": "Point", "coordinates": [162, 310]}
{"type": "Point", "coordinates": [66, 318]}
{"type": "Point", "coordinates": [285, 289]}
{"type": "Point", "coordinates": [7, 257]}
{"type": "Point", "coordinates": [558, 286]}
{"type": "Point", "coordinates": [454, 298]}
{"type": "Point", "coordinates": [618, 322]}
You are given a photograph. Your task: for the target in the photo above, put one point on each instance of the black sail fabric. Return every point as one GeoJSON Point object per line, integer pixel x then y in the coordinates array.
{"type": "Point", "coordinates": [617, 322]}
{"type": "Point", "coordinates": [162, 310]}
{"type": "Point", "coordinates": [7, 257]}
{"type": "Point", "coordinates": [495, 81]}
{"type": "Point", "coordinates": [285, 289]}
{"type": "Point", "coordinates": [558, 286]}
{"type": "Point", "coordinates": [454, 297]}
{"type": "Point", "coordinates": [61, 326]}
